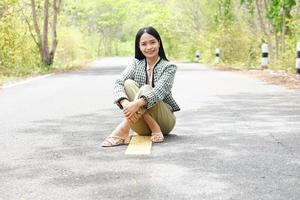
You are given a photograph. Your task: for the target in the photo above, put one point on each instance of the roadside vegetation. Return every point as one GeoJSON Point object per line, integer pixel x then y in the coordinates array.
{"type": "Point", "coordinates": [39, 36]}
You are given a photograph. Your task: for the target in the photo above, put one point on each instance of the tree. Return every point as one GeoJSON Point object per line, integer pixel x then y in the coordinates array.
{"type": "Point", "coordinates": [8, 36]}
{"type": "Point", "coordinates": [279, 13]}
{"type": "Point", "coordinates": [109, 25]}
{"type": "Point", "coordinates": [41, 39]}
{"type": "Point", "coordinates": [273, 18]}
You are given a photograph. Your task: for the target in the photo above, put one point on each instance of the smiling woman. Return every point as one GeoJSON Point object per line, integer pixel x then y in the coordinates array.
{"type": "Point", "coordinates": [143, 92]}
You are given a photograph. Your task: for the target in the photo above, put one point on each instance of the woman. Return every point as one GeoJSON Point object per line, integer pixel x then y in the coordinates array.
{"type": "Point", "coordinates": [143, 92]}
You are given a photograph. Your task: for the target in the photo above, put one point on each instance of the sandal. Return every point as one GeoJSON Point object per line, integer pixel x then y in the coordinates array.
{"type": "Point", "coordinates": [157, 137]}
{"type": "Point", "coordinates": [112, 141]}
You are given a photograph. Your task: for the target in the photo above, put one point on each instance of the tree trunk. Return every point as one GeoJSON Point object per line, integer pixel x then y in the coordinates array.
{"type": "Point", "coordinates": [276, 44]}
{"type": "Point", "coordinates": [46, 57]}
{"type": "Point", "coordinates": [110, 46]}
{"type": "Point", "coordinates": [283, 32]}
{"type": "Point", "coordinates": [261, 21]}
{"type": "Point", "coordinates": [269, 29]}
{"type": "Point", "coordinates": [193, 12]}
{"type": "Point", "coordinates": [36, 28]}
{"type": "Point", "coordinates": [2, 11]}
{"type": "Point", "coordinates": [104, 45]}
{"type": "Point", "coordinates": [56, 6]}
{"type": "Point", "coordinates": [99, 46]}
{"type": "Point", "coordinates": [42, 40]}
{"type": "Point", "coordinates": [260, 13]}
{"type": "Point", "coordinates": [116, 48]}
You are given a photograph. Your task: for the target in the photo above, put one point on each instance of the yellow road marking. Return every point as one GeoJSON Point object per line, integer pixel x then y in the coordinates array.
{"type": "Point", "coordinates": [139, 145]}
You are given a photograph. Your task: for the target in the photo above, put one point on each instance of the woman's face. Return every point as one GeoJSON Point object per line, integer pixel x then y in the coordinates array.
{"type": "Point", "coordinates": [149, 46]}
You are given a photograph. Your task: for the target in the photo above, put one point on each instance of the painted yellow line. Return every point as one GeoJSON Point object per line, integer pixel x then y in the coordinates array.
{"type": "Point", "coordinates": [139, 145]}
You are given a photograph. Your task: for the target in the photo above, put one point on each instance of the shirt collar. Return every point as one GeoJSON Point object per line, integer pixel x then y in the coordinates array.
{"type": "Point", "coordinates": [158, 58]}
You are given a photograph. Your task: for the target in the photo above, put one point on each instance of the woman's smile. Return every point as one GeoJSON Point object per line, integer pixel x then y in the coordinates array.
{"type": "Point", "coordinates": [150, 52]}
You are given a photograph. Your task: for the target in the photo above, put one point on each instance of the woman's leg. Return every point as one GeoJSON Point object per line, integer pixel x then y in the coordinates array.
{"type": "Point", "coordinates": [131, 88]}
{"type": "Point", "coordinates": [163, 116]}
{"type": "Point", "coordinates": [160, 114]}
{"type": "Point", "coordinates": [156, 134]}
{"type": "Point", "coordinates": [155, 120]}
{"type": "Point", "coordinates": [152, 124]}
{"type": "Point", "coordinates": [121, 132]}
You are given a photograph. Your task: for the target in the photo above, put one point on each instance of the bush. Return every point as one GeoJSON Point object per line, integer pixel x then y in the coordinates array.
{"type": "Point", "coordinates": [73, 47]}
{"type": "Point", "coordinates": [18, 55]}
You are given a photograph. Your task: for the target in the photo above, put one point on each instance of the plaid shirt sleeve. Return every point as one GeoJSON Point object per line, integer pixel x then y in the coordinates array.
{"type": "Point", "coordinates": [162, 87]}
{"type": "Point", "coordinates": [119, 91]}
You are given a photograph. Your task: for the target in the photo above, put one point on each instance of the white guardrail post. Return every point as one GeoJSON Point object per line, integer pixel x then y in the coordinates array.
{"type": "Point", "coordinates": [197, 55]}
{"type": "Point", "coordinates": [217, 55]}
{"type": "Point", "coordinates": [264, 56]}
{"type": "Point", "coordinates": [298, 58]}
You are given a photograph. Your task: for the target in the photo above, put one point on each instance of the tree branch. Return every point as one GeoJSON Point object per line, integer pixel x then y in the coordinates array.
{"type": "Point", "coordinates": [56, 6]}
{"type": "Point", "coordinates": [45, 29]}
{"type": "Point", "coordinates": [28, 23]}
{"type": "Point", "coordinates": [36, 26]}
{"type": "Point", "coordinates": [260, 17]}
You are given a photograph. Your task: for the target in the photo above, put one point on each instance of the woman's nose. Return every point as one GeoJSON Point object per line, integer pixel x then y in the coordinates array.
{"type": "Point", "coordinates": [149, 46]}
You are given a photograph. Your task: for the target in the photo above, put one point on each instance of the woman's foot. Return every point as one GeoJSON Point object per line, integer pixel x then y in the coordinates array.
{"type": "Point", "coordinates": [112, 141]}
{"type": "Point", "coordinates": [157, 137]}
{"type": "Point", "coordinates": [119, 136]}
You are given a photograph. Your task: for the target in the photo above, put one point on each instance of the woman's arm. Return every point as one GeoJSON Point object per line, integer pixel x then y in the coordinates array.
{"type": "Point", "coordinates": [131, 109]}
{"type": "Point", "coordinates": [119, 90]}
{"type": "Point", "coordinates": [162, 87]}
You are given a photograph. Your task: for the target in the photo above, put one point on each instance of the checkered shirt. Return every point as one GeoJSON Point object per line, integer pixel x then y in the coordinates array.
{"type": "Point", "coordinates": [162, 82]}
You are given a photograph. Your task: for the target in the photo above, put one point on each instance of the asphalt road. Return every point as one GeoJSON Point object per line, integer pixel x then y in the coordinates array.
{"type": "Point", "coordinates": [236, 138]}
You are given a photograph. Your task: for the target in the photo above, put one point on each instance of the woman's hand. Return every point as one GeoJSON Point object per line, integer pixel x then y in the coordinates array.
{"type": "Point", "coordinates": [131, 108]}
{"type": "Point", "coordinates": [124, 102]}
{"type": "Point", "coordinates": [134, 118]}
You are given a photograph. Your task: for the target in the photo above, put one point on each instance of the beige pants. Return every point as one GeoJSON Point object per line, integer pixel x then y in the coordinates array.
{"type": "Point", "coordinates": [160, 112]}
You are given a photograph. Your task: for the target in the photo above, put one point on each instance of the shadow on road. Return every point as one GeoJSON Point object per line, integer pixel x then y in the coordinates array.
{"type": "Point", "coordinates": [234, 143]}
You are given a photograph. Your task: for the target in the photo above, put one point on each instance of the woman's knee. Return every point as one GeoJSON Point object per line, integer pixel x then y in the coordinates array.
{"type": "Point", "coordinates": [145, 88]}
{"type": "Point", "coordinates": [129, 83]}
{"type": "Point", "coordinates": [166, 130]}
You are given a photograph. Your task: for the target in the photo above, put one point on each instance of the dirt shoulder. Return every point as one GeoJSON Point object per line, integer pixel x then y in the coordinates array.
{"type": "Point", "coordinates": [287, 80]}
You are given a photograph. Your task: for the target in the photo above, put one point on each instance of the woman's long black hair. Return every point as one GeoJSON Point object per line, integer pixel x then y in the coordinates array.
{"type": "Point", "coordinates": [150, 30]}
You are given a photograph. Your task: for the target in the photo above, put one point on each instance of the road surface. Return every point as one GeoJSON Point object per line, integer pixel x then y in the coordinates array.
{"type": "Point", "coordinates": [236, 138]}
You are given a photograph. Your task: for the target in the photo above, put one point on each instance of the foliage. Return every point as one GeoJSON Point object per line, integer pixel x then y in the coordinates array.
{"type": "Point", "coordinates": [69, 51]}
{"type": "Point", "coordinates": [87, 29]}
{"type": "Point", "coordinates": [18, 55]}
